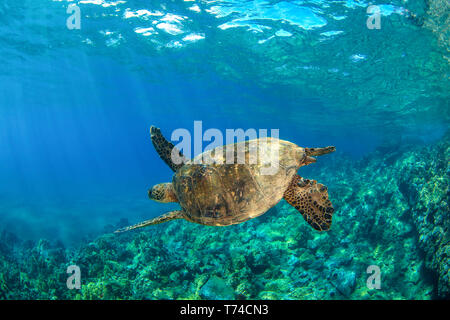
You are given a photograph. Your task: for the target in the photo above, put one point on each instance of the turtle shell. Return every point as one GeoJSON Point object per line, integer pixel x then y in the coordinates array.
{"type": "Point", "coordinates": [237, 182]}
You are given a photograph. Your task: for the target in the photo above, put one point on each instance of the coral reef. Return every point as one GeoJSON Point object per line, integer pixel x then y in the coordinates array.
{"type": "Point", "coordinates": [424, 184]}
{"type": "Point", "coordinates": [437, 20]}
{"type": "Point", "coordinates": [391, 211]}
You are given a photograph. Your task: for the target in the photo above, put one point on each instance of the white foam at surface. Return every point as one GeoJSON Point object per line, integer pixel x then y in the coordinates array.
{"type": "Point", "coordinates": [331, 33]}
{"type": "Point", "coordinates": [250, 26]}
{"type": "Point", "coordinates": [141, 13]}
{"type": "Point", "coordinates": [102, 3]}
{"type": "Point", "coordinates": [352, 4]}
{"type": "Point", "coordinates": [192, 37]}
{"type": "Point", "coordinates": [195, 8]}
{"type": "Point", "coordinates": [265, 40]}
{"type": "Point", "coordinates": [338, 18]}
{"type": "Point", "coordinates": [283, 33]}
{"type": "Point", "coordinates": [357, 57]}
{"type": "Point", "coordinates": [169, 28]}
{"type": "Point", "coordinates": [388, 9]}
{"type": "Point", "coordinates": [145, 31]}
{"type": "Point", "coordinates": [170, 17]}
{"type": "Point", "coordinates": [174, 44]}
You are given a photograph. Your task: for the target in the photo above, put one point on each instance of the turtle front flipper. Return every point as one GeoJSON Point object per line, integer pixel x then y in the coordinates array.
{"type": "Point", "coordinates": [172, 215]}
{"type": "Point", "coordinates": [311, 200]}
{"type": "Point", "coordinates": [166, 150]}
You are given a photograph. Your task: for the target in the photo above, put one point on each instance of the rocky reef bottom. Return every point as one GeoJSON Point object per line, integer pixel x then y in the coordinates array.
{"type": "Point", "coordinates": [391, 212]}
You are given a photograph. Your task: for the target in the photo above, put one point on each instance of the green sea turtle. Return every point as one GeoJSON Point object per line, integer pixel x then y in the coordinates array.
{"type": "Point", "coordinates": [215, 193]}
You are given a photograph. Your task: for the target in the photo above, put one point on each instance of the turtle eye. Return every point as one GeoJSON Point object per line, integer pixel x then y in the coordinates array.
{"type": "Point", "coordinates": [301, 183]}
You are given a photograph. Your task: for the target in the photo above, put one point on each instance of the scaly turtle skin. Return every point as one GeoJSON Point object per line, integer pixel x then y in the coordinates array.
{"type": "Point", "coordinates": [214, 193]}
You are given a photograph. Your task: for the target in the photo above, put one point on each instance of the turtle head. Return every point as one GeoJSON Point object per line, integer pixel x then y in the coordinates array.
{"type": "Point", "coordinates": [319, 151]}
{"type": "Point", "coordinates": [163, 192]}
{"type": "Point", "coordinates": [310, 152]}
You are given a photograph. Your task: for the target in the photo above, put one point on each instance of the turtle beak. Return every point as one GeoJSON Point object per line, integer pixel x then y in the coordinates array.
{"type": "Point", "coordinates": [154, 130]}
{"type": "Point", "coordinates": [310, 160]}
{"type": "Point", "coordinates": [150, 193]}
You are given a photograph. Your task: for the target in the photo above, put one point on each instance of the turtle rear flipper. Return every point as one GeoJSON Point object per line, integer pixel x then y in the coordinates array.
{"type": "Point", "coordinates": [166, 150]}
{"type": "Point", "coordinates": [311, 200]}
{"type": "Point", "coordinates": [172, 215]}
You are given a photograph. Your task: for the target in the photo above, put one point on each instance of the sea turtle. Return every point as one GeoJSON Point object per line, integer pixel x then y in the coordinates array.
{"type": "Point", "coordinates": [213, 192]}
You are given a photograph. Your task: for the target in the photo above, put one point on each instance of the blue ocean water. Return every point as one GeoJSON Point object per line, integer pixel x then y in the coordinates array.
{"type": "Point", "coordinates": [76, 105]}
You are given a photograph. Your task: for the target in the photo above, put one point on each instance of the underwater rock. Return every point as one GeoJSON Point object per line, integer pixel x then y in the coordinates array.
{"type": "Point", "coordinates": [312, 245]}
{"type": "Point", "coordinates": [344, 281]}
{"type": "Point", "coordinates": [216, 289]}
